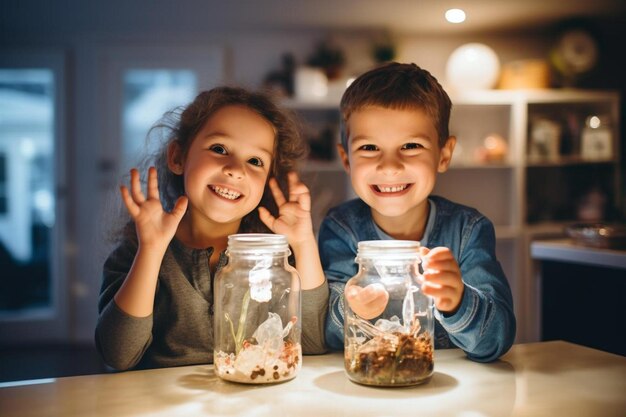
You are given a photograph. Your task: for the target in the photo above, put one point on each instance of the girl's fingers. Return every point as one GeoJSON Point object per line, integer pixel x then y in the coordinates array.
{"type": "Point", "coordinates": [180, 207]}
{"type": "Point", "coordinates": [304, 200]}
{"type": "Point", "coordinates": [153, 184]}
{"type": "Point", "coordinates": [135, 187]}
{"type": "Point", "coordinates": [299, 192]}
{"type": "Point", "coordinates": [294, 186]}
{"type": "Point", "coordinates": [267, 218]}
{"type": "Point", "coordinates": [133, 209]}
{"type": "Point", "coordinates": [279, 197]}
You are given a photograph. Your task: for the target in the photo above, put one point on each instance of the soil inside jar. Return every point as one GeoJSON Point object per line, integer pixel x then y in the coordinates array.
{"type": "Point", "coordinates": [385, 361]}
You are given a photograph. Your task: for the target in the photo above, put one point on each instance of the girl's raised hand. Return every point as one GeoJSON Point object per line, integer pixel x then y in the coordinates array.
{"type": "Point", "coordinates": [155, 226]}
{"type": "Point", "coordinates": [294, 215]}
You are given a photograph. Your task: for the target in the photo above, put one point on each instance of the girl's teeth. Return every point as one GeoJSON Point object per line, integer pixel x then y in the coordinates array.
{"type": "Point", "coordinates": [226, 193]}
{"type": "Point", "coordinates": [392, 189]}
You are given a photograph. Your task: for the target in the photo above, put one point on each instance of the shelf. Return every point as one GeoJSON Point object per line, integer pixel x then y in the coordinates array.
{"type": "Point", "coordinates": [487, 97]}
{"type": "Point", "coordinates": [567, 161]}
{"type": "Point", "coordinates": [463, 165]}
{"type": "Point", "coordinates": [533, 96]}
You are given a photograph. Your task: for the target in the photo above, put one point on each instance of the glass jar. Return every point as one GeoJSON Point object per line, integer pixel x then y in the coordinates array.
{"type": "Point", "coordinates": [257, 312]}
{"type": "Point", "coordinates": [394, 348]}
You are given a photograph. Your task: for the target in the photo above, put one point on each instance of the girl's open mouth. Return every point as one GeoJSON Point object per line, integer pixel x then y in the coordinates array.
{"type": "Point", "coordinates": [224, 192]}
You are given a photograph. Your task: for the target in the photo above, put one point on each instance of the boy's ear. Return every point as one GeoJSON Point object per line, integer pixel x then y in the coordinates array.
{"type": "Point", "coordinates": [175, 158]}
{"type": "Point", "coordinates": [344, 158]}
{"type": "Point", "coordinates": [445, 156]}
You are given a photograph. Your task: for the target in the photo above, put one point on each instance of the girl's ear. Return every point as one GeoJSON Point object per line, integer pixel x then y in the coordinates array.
{"type": "Point", "coordinates": [175, 158]}
{"type": "Point", "coordinates": [343, 155]}
{"type": "Point", "coordinates": [445, 155]}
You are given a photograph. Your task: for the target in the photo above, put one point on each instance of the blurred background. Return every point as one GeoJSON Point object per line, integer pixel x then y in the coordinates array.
{"type": "Point", "coordinates": [537, 88]}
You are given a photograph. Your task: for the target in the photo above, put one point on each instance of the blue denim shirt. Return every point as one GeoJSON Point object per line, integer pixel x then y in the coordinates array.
{"type": "Point", "coordinates": [483, 326]}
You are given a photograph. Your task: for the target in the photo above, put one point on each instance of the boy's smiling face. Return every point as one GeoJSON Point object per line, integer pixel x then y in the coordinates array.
{"type": "Point", "coordinates": [393, 159]}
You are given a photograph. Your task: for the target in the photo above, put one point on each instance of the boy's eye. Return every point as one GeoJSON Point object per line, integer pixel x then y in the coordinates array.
{"type": "Point", "coordinates": [368, 148]}
{"type": "Point", "coordinates": [412, 145]}
{"type": "Point", "coordinates": [257, 162]}
{"type": "Point", "coordinates": [217, 148]}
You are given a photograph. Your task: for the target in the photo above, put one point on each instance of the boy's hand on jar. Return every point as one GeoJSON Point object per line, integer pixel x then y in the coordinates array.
{"type": "Point", "coordinates": [367, 302]}
{"type": "Point", "coordinates": [294, 215]}
{"type": "Point", "coordinates": [155, 227]}
{"type": "Point", "coordinates": [442, 278]}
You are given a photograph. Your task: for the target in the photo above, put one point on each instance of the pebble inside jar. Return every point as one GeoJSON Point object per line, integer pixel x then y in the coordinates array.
{"type": "Point", "coordinates": [390, 341]}
{"type": "Point", "coordinates": [257, 312]}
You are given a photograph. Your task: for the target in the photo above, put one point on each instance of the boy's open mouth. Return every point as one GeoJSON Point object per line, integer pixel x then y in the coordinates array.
{"type": "Point", "coordinates": [224, 192]}
{"type": "Point", "coordinates": [391, 189]}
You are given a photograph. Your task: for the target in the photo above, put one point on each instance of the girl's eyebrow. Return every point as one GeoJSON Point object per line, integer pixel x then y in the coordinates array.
{"type": "Point", "coordinates": [218, 134]}
{"type": "Point", "coordinates": [222, 135]}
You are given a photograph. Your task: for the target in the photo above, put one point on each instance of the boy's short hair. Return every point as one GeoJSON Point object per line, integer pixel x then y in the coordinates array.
{"type": "Point", "coordinates": [397, 86]}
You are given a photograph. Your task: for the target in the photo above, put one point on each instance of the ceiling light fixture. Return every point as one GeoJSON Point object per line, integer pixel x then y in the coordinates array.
{"type": "Point", "coordinates": [455, 16]}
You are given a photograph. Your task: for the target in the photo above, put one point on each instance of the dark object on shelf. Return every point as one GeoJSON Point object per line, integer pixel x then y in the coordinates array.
{"type": "Point", "coordinates": [598, 235]}
{"type": "Point", "coordinates": [280, 82]}
{"type": "Point", "coordinates": [322, 147]}
{"type": "Point", "coordinates": [329, 57]}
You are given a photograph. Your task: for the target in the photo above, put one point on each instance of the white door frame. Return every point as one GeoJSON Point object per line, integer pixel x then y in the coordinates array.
{"type": "Point", "coordinates": [46, 324]}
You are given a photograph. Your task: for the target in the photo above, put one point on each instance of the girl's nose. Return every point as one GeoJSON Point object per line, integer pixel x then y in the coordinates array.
{"type": "Point", "coordinates": [233, 170]}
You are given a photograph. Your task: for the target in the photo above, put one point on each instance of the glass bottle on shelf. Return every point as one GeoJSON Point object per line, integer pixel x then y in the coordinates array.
{"type": "Point", "coordinates": [394, 348]}
{"type": "Point", "coordinates": [597, 138]}
{"type": "Point", "coordinates": [257, 312]}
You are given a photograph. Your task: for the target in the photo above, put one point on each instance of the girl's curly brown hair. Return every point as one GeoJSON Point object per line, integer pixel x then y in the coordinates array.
{"type": "Point", "coordinates": [183, 124]}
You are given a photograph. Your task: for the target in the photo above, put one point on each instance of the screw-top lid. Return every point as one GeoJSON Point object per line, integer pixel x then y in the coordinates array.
{"type": "Point", "coordinates": [388, 249]}
{"type": "Point", "coordinates": [257, 243]}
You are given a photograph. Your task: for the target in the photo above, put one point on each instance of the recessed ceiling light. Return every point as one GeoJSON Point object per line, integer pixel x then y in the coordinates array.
{"type": "Point", "coordinates": [455, 16]}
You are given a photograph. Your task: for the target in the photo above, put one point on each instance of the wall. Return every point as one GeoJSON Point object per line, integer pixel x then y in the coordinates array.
{"type": "Point", "coordinates": [249, 56]}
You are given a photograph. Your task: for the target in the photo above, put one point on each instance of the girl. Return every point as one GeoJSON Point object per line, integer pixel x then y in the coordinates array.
{"type": "Point", "coordinates": [219, 174]}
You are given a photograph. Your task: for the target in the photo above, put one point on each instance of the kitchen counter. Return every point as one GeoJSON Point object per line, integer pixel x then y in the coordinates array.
{"type": "Point", "coordinates": [564, 250]}
{"type": "Point", "coordinates": [572, 278]}
{"type": "Point", "coordinates": [538, 379]}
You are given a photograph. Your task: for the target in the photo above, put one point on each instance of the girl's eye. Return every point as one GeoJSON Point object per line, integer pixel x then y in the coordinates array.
{"type": "Point", "coordinates": [412, 145]}
{"type": "Point", "coordinates": [257, 162]}
{"type": "Point", "coordinates": [218, 149]}
{"type": "Point", "coordinates": [368, 148]}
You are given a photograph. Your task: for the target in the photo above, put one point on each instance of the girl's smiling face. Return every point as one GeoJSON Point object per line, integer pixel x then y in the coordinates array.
{"type": "Point", "coordinates": [393, 159]}
{"type": "Point", "coordinates": [227, 165]}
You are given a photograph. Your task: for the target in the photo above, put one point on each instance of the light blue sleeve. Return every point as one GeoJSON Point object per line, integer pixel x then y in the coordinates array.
{"type": "Point", "coordinates": [484, 325]}
{"type": "Point", "coordinates": [337, 253]}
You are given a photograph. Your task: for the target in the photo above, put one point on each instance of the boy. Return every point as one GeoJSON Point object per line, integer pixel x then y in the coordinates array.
{"type": "Point", "coordinates": [395, 141]}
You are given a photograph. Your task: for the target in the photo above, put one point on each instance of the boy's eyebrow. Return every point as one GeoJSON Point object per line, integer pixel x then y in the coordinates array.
{"type": "Point", "coordinates": [362, 138]}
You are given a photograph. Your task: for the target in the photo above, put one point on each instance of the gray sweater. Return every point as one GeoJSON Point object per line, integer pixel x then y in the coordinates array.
{"type": "Point", "coordinates": [180, 329]}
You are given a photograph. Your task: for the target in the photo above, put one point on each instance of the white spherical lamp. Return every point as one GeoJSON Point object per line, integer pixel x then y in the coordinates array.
{"type": "Point", "coordinates": [473, 66]}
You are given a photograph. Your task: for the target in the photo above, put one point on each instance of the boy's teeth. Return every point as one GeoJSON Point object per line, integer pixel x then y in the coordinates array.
{"type": "Point", "coordinates": [394, 189]}
{"type": "Point", "coordinates": [225, 192]}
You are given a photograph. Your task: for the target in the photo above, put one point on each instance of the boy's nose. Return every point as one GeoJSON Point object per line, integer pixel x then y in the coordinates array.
{"type": "Point", "coordinates": [389, 165]}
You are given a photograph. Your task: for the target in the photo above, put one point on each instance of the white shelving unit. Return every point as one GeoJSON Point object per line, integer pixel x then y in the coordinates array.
{"type": "Point", "coordinates": [526, 198]}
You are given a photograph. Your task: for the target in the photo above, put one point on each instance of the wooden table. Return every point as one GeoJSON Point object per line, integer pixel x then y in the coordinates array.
{"type": "Point", "coordinates": [539, 379]}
